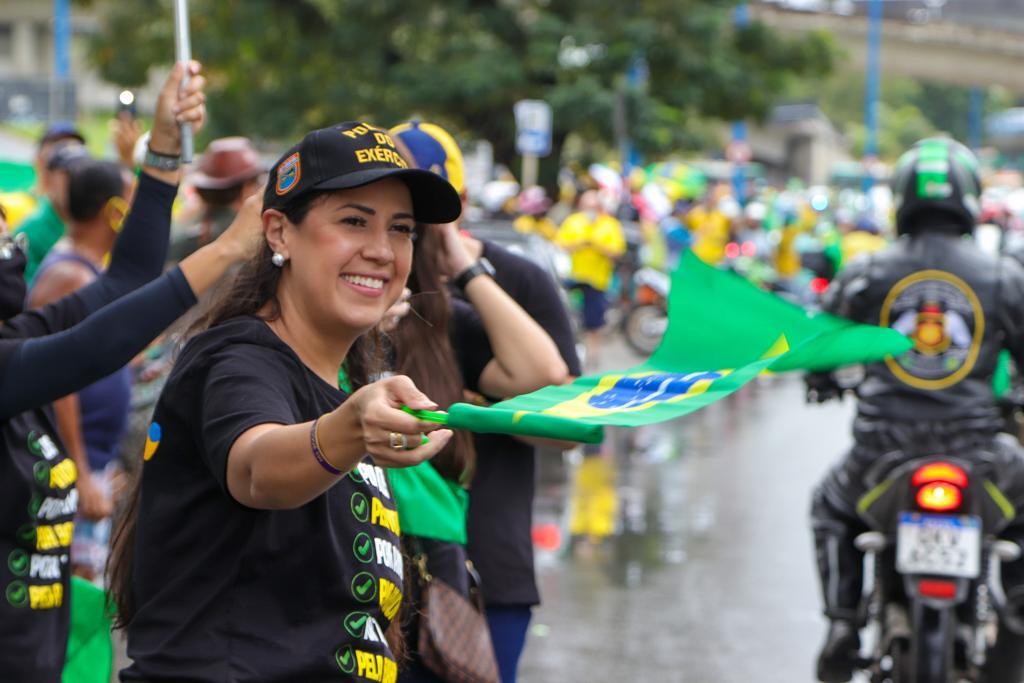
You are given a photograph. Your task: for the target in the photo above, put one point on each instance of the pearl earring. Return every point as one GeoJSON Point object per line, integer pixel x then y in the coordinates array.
{"type": "Point", "coordinates": [278, 259]}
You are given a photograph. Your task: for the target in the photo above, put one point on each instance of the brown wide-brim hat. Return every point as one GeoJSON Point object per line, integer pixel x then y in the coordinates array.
{"type": "Point", "coordinates": [227, 162]}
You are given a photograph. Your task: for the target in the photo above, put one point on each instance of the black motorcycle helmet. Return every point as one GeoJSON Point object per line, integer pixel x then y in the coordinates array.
{"type": "Point", "coordinates": [936, 177]}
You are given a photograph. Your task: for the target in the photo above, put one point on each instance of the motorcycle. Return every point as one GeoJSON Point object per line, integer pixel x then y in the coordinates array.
{"type": "Point", "coordinates": [933, 601]}
{"type": "Point", "coordinates": [646, 317]}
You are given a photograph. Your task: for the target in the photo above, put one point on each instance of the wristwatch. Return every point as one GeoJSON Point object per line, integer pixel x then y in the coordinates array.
{"type": "Point", "coordinates": [481, 267]}
{"type": "Point", "coordinates": [164, 162]}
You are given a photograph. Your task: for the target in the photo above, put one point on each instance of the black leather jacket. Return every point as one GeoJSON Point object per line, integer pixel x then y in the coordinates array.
{"type": "Point", "coordinates": [961, 306]}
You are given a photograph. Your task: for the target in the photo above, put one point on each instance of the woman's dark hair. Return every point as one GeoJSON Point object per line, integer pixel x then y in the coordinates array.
{"type": "Point", "coordinates": [253, 289]}
{"type": "Point", "coordinates": [424, 353]}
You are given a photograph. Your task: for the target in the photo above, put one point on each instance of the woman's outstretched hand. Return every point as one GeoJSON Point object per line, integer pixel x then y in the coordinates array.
{"type": "Point", "coordinates": [378, 410]}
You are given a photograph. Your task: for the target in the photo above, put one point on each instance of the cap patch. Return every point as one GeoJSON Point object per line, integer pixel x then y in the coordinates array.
{"type": "Point", "coordinates": [288, 174]}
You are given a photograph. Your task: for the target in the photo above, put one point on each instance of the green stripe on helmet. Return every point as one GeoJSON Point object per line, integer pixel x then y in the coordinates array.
{"type": "Point", "coordinates": [933, 180]}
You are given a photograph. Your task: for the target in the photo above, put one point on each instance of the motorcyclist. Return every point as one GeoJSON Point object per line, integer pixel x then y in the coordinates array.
{"type": "Point", "coordinates": [961, 307]}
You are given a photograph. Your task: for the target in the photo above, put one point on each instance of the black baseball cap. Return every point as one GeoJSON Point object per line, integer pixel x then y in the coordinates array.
{"type": "Point", "coordinates": [355, 154]}
{"type": "Point", "coordinates": [65, 154]}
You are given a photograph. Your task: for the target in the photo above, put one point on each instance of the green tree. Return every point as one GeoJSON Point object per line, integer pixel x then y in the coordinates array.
{"type": "Point", "coordinates": [280, 67]}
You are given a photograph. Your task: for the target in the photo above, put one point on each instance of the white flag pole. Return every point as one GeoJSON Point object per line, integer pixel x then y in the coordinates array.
{"type": "Point", "coordinates": [183, 53]}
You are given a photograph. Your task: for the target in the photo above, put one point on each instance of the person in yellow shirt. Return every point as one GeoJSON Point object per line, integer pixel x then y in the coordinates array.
{"type": "Point", "coordinates": [595, 240]}
{"type": "Point", "coordinates": [710, 227]}
{"type": "Point", "coordinates": [787, 258]}
{"type": "Point", "coordinates": [860, 237]}
{"type": "Point", "coordinates": [533, 206]}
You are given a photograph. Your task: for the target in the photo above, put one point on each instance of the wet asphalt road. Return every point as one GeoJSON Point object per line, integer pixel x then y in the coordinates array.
{"type": "Point", "coordinates": [692, 558]}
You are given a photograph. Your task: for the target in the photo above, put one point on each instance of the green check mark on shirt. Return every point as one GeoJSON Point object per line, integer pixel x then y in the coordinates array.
{"type": "Point", "coordinates": [363, 548]}
{"type": "Point", "coordinates": [360, 507]}
{"type": "Point", "coordinates": [364, 587]}
{"type": "Point", "coordinates": [355, 624]}
{"type": "Point", "coordinates": [346, 659]}
{"type": "Point", "coordinates": [17, 594]}
{"type": "Point", "coordinates": [18, 562]}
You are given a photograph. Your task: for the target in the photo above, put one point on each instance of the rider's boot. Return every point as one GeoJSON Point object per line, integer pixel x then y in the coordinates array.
{"type": "Point", "coordinates": [838, 658]}
{"type": "Point", "coordinates": [840, 568]}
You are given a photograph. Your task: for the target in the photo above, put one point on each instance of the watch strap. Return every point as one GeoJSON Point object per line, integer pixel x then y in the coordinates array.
{"type": "Point", "coordinates": [481, 267]}
{"type": "Point", "coordinates": [163, 162]}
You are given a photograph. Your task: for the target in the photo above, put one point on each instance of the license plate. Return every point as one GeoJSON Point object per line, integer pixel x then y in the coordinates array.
{"type": "Point", "coordinates": [946, 545]}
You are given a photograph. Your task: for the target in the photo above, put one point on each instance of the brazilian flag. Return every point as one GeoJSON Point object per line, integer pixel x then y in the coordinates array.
{"type": "Point", "coordinates": [722, 333]}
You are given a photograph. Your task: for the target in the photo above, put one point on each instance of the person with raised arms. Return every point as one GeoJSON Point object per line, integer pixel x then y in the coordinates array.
{"type": "Point", "coordinates": [65, 346]}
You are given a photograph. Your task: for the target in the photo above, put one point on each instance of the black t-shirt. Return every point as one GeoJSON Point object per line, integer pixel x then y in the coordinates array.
{"type": "Point", "coordinates": [37, 365]}
{"type": "Point", "coordinates": [502, 490]}
{"type": "Point", "coordinates": [37, 505]}
{"type": "Point", "coordinates": [228, 593]}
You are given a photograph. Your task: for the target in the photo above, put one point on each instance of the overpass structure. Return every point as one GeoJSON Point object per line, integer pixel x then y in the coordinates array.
{"type": "Point", "coordinates": [954, 50]}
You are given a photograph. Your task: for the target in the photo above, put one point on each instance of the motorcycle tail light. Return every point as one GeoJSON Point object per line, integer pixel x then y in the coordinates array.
{"type": "Point", "coordinates": [937, 588]}
{"type": "Point", "coordinates": [939, 496]}
{"type": "Point", "coordinates": [819, 285]}
{"type": "Point", "coordinates": [940, 471]}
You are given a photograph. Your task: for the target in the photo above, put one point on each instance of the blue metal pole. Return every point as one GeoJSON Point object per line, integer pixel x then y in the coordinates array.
{"type": "Point", "coordinates": [871, 93]}
{"type": "Point", "coordinates": [61, 58]}
{"type": "Point", "coordinates": [976, 116]}
{"type": "Point", "coordinates": [741, 19]}
{"type": "Point", "coordinates": [62, 38]}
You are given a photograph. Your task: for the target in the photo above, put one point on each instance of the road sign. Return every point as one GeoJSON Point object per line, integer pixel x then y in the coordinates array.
{"type": "Point", "coordinates": [533, 127]}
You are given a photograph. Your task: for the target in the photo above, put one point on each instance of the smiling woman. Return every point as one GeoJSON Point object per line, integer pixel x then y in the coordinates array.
{"type": "Point", "coordinates": [262, 543]}
{"type": "Point", "coordinates": [356, 249]}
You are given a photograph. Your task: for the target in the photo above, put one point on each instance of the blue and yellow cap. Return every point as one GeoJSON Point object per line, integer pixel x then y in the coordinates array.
{"type": "Point", "coordinates": [434, 149]}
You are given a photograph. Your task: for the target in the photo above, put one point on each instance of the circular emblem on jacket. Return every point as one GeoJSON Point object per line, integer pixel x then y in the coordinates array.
{"type": "Point", "coordinates": [944, 318]}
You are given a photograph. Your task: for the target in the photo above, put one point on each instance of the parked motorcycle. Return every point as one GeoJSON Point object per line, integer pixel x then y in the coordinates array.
{"type": "Point", "coordinates": [646, 317]}
{"type": "Point", "coordinates": [933, 602]}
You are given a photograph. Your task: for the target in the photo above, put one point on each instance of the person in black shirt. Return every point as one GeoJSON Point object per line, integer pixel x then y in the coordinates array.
{"type": "Point", "coordinates": [534, 349]}
{"type": "Point", "coordinates": [501, 493]}
{"type": "Point", "coordinates": [50, 352]}
{"type": "Point", "coordinates": [262, 544]}
{"type": "Point", "coordinates": [446, 348]}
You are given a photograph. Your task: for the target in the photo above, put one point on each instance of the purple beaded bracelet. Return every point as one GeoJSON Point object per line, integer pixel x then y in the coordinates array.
{"type": "Point", "coordinates": [314, 442]}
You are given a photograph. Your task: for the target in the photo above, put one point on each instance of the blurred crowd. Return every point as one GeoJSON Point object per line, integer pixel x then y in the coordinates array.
{"type": "Point", "coordinates": [608, 230]}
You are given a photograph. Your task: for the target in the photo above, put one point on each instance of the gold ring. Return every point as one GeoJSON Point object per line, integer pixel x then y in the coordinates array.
{"type": "Point", "coordinates": [397, 441]}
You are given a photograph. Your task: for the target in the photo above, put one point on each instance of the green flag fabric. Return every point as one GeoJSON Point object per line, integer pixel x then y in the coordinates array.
{"type": "Point", "coordinates": [428, 504]}
{"type": "Point", "coordinates": [16, 176]}
{"type": "Point", "coordinates": [722, 333]}
{"type": "Point", "coordinates": [90, 653]}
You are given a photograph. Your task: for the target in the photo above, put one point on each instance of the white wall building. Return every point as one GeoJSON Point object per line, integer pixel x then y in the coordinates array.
{"type": "Point", "coordinates": [27, 58]}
